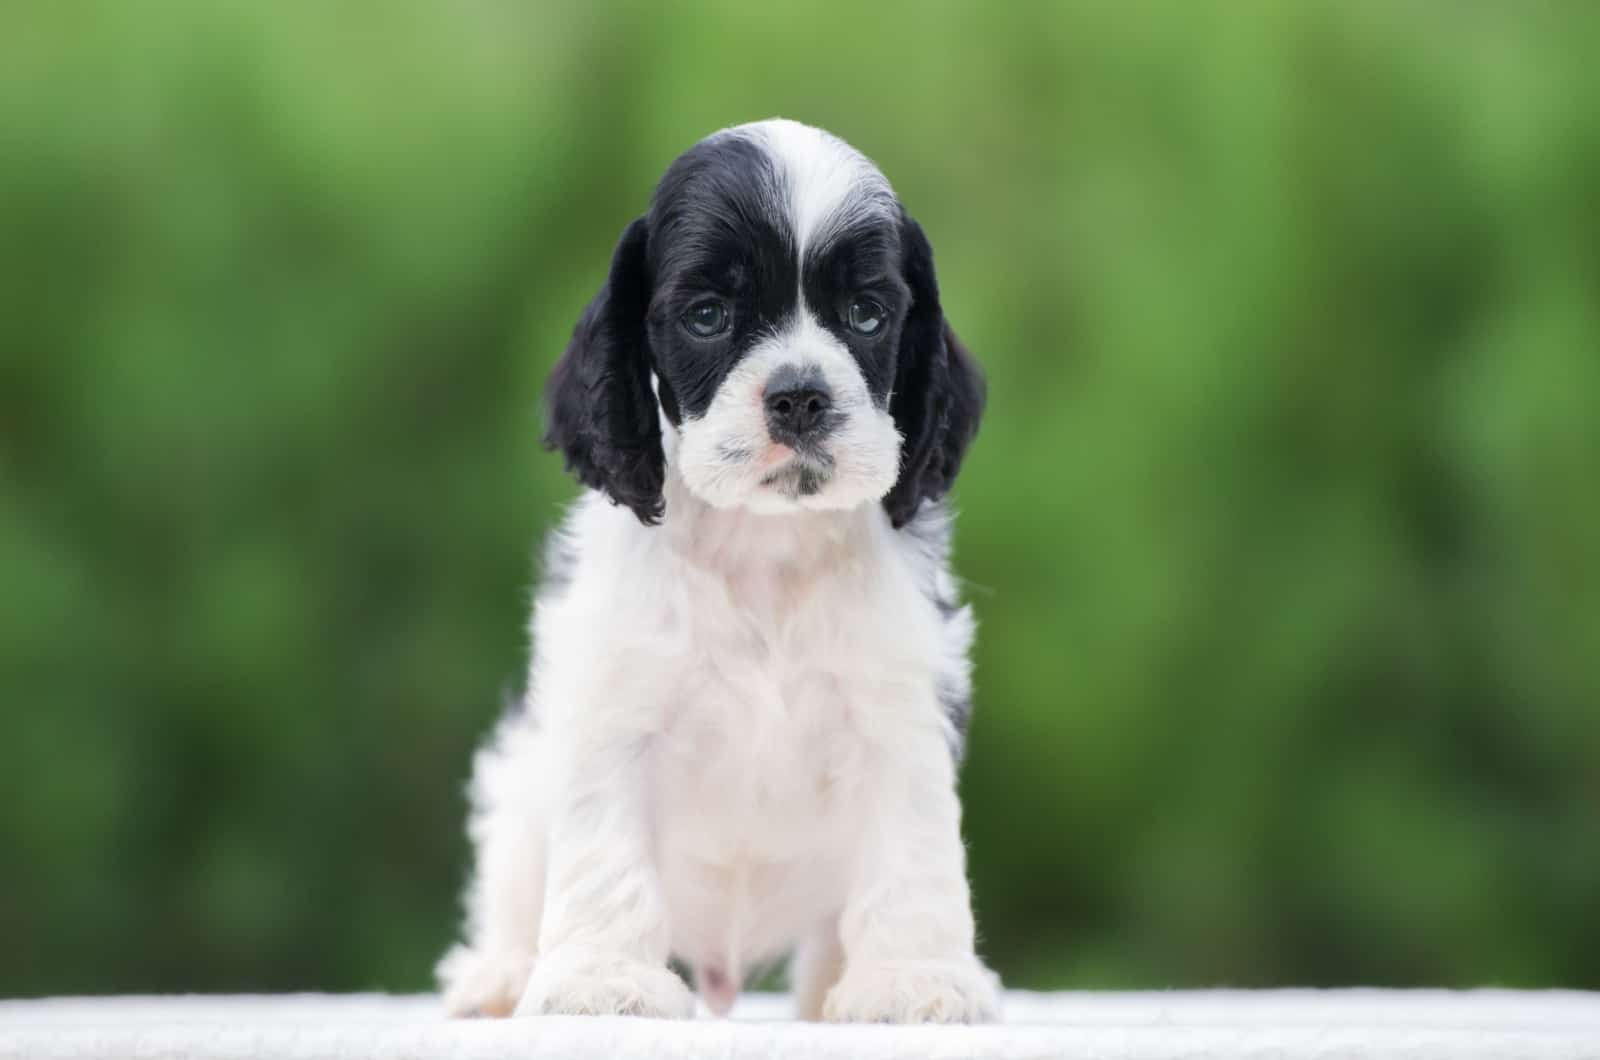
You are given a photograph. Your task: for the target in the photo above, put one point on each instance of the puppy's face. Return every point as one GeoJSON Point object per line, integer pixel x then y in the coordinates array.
{"type": "Point", "coordinates": [775, 319]}
{"type": "Point", "coordinates": [778, 308]}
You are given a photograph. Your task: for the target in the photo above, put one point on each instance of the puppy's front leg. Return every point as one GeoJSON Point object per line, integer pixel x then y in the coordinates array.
{"type": "Point", "coordinates": [907, 925]}
{"type": "Point", "coordinates": [604, 937]}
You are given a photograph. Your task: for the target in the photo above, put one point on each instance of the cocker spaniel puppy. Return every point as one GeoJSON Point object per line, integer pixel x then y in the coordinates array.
{"type": "Point", "coordinates": [750, 686]}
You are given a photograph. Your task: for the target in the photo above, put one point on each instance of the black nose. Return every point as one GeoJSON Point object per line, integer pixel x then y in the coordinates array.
{"type": "Point", "coordinates": [798, 405]}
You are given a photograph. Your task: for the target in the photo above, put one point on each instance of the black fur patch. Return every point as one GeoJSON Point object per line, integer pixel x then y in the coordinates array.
{"type": "Point", "coordinates": [862, 261]}
{"type": "Point", "coordinates": [939, 389]}
{"type": "Point", "coordinates": [720, 230]}
{"type": "Point", "coordinates": [602, 412]}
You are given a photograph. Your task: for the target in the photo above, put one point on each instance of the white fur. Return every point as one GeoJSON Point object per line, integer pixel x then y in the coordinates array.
{"type": "Point", "coordinates": [734, 743]}
{"type": "Point", "coordinates": [829, 183]}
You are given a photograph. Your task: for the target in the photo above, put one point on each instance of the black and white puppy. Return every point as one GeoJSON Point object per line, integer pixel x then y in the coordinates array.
{"type": "Point", "coordinates": [749, 688]}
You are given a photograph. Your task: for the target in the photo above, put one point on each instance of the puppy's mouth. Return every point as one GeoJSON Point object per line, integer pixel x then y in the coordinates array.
{"type": "Point", "coordinates": [796, 480]}
{"type": "Point", "coordinates": [803, 474]}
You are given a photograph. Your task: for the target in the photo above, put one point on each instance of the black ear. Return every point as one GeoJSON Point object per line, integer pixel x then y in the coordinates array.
{"type": "Point", "coordinates": [938, 388]}
{"type": "Point", "coordinates": [602, 412]}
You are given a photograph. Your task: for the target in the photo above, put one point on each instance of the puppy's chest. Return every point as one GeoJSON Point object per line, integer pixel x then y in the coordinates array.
{"type": "Point", "coordinates": [757, 763]}
{"type": "Point", "coordinates": [763, 738]}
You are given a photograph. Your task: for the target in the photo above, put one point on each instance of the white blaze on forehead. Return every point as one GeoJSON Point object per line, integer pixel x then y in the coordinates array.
{"type": "Point", "coordinates": [829, 184]}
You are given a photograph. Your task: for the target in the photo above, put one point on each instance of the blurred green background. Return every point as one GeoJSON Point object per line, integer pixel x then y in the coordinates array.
{"type": "Point", "coordinates": [1283, 527]}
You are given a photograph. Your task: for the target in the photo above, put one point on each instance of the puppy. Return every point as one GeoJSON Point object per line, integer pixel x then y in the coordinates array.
{"type": "Point", "coordinates": [750, 685]}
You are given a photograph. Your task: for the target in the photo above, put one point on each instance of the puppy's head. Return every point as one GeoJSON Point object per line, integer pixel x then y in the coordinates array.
{"type": "Point", "coordinates": [778, 308]}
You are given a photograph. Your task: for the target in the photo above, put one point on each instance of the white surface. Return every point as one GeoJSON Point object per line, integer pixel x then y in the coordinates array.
{"type": "Point", "coordinates": [1248, 1025]}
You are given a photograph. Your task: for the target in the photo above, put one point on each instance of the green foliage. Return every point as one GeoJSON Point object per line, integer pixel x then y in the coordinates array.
{"type": "Point", "coordinates": [1283, 527]}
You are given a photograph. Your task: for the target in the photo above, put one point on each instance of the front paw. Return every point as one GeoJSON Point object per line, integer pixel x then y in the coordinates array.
{"type": "Point", "coordinates": [604, 984]}
{"type": "Point", "coordinates": [954, 991]}
{"type": "Point", "coordinates": [478, 983]}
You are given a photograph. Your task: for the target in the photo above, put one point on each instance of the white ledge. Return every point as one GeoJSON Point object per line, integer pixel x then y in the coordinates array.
{"type": "Point", "coordinates": [1191, 1025]}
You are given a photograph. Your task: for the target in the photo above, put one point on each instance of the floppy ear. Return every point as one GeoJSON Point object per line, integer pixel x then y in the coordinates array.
{"type": "Point", "coordinates": [602, 412]}
{"type": "Point", "coordinates": [938, 388]}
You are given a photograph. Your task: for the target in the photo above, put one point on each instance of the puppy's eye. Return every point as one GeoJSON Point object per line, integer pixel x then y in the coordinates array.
{"type": "Point", "coordinates": [866, 316]}
{"type": "Point", "coordinates": [706, 319]}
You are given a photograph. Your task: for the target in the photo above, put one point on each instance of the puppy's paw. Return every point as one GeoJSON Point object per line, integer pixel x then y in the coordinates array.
{"type": "Point", "coordinates": [482, 984]}
{"type": "Point", "coordinates": [954, 991]}
{"type": "Point", "coordinates": [587, 983]}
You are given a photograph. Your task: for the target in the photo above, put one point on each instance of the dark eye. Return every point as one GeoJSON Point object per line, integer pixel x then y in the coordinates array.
{"type": "Point", "coordinates": [706, 319]}
{"type": "Point", "coordinates": [866, 316]}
